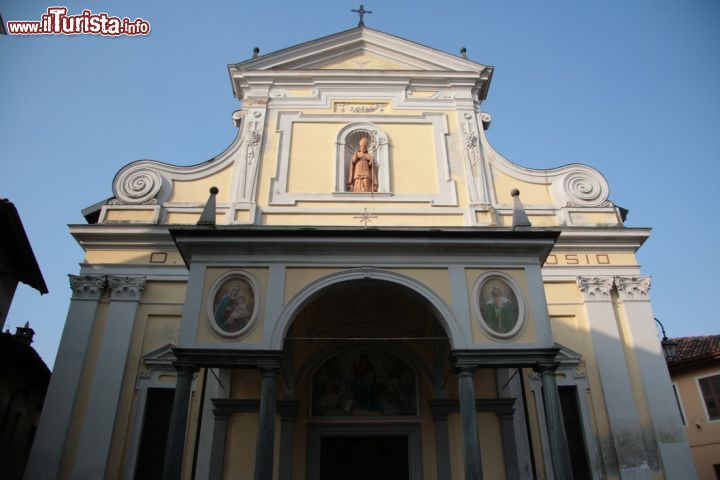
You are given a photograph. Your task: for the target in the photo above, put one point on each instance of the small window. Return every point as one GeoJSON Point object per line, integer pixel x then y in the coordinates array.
{"type": "Point", "coordinates": [679, 404]}
{"type": "Point", "coordinates": [710, 389]}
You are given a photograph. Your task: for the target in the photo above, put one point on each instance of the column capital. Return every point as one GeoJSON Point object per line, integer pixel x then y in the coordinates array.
{"type": "Point", "coordinates": [87, 287]}
{"type": "Point", "coordinates": [595, 288]}
{"type": "Point", "coordinates": [633, 287]}
{"type": "Point", "coordinates": [545, 368]}
{"type": "Point", "coordinates": [126, 288]}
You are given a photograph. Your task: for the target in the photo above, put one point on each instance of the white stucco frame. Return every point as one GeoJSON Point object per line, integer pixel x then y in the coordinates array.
{"type": "Point", "coordinates": [477, 311]}
{"type": "Point", "coordinates": [209, 304]}
{"type": "Point", "coordinates": [381, 157]}
{"type": "Point", "coordinates": [279, 194]}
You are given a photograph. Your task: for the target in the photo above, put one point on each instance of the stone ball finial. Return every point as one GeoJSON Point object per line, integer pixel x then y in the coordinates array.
{"type": "Point", "coordinates": [514, 192]}
{"type": "Point", "coordinates": [214, 190]}
{"type": "Point", "coordinates": [256, 52]}
{"type": "Point", "coordinates": [463, 52]}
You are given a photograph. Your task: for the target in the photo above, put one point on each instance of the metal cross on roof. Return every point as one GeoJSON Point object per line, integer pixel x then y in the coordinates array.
{"type": "Point", "coordinates": [365, 217]}
{"type": "Point", "coordinates": [361, 11]}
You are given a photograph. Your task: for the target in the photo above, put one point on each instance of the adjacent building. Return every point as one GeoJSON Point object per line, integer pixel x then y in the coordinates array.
{"type": "Point", "coordinates": [695, 373]}
{"type": "Point", "coordinates": [359, 286]}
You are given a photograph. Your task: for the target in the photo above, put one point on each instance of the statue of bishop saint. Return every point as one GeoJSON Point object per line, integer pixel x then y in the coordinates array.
{"type": "Point", "coordinates": [362, 175]}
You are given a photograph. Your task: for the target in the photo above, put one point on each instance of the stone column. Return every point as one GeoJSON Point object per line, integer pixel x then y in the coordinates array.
{"type": "Point", "coordinates": [97, 428]}
{"type": "Point", "coordinates": [265, 445]}
{"type": "Point", "coordinates": [468, 417]}
{"type": "Point", "coordinates": [559, 453]}
{"type": "Point", "coordinates": [625, 429]}
{"type": "Point", "coordinates": [287, 409]}
{"type": "Point", "coordinates": [670, 441]}
{"type": "Point", "coordinates": [440, 410]}
{"type": "Point", "coordinates": [172, 464]}
{"type": "Point", "coordinates": [509, 386]}
{"type": "Point", "coordinates": [47, 451]}
{"type": "Point", "coordinates": [217, 456]}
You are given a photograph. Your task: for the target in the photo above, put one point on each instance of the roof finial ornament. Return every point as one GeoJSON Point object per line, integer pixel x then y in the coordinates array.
{"type": "Point", "coordinates": [256, 52]}
{"type": "Point", "coordinates": [361, 11]}
{"type": "Point", "coordinates": [207, 218]}
{"type": "Point", "coordinates": [520, 218]}
{"type": "Point", "coordinates": [463, 52]}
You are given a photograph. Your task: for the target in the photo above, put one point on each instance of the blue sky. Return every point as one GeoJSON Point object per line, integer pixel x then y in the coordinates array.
{"type": "Point", "coordinates": [629, 88]}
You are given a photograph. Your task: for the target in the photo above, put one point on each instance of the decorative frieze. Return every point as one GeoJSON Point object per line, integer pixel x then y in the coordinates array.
{"type": "Point", "coordinates": [87, 287]}
{"type": "Point", "coordinates": [126, 288]}
{"type": "Point", "coordinates": [633, 287]}
{"type": "Point", "coordinates": [595, 288]}
{"type": "Point", "coordinates": [359, 107]}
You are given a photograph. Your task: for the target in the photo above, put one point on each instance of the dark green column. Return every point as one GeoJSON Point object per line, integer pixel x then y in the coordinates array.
{"type": "Point", "coordinates": [172, 465]}
{"type": "Point", "coordinates": [468, 417]}
{"type": "Point", "coordinates": [265, 446]}
{"type": "Point", "coordinates": [554, 421]}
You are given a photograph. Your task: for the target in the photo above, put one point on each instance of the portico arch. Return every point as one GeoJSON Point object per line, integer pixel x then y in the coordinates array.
{"type": "Point", "coordinates": [429, 297]}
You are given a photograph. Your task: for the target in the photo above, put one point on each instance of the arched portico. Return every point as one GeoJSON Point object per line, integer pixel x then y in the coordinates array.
{"type": "Point", "coordinates": [429, 297]}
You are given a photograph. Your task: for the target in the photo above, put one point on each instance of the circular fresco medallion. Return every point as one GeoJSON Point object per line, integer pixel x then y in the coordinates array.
{"type": "Point", "coordinates": [233, 304]}
{"type": "Point", "coordinates": [498, 305]}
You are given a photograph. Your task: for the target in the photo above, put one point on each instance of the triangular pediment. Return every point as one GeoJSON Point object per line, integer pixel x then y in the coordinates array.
{"type": "Point", "coordinates": [360, 49]}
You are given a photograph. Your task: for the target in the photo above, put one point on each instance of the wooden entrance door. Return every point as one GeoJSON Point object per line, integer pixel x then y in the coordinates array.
{"type": "Point", "coordinates": [364, 458]}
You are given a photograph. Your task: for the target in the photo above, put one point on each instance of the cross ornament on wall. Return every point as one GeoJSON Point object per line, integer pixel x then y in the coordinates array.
{"type": "Point", "coordinates": [365, 217]}
{"type": "Point", "coordinates": [361, 11]}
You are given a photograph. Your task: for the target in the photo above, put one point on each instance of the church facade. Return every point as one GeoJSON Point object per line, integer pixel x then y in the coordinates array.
{"type": "Point", "coordinates": [360, 286]}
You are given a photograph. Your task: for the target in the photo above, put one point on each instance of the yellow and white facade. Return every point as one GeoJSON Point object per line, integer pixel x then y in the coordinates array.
{"type": "Point", "coordinates": [366, 319]}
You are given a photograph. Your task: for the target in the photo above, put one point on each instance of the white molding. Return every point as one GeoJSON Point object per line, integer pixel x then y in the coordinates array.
{"type": "Point", "coordinates": [257, 307]}
{"type": "Point", "coordinates": [477, 311]}
{"type": "Point", "coordinates": [338, 46]}
{"type": "Point", "coordinates": [279, 194]}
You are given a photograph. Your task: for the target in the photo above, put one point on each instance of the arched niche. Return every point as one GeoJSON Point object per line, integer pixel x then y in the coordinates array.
{"type": "Point", "coordinates": [347, 143]}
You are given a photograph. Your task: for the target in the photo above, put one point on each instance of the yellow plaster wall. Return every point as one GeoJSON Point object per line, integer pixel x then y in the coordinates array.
{"type": "Point", "coordinates": [197, 191]}
{"type": "Point", "coordinates": [130, 215]}
{"type": "Point", "coordinates": [530, 193]}
{"type": "Point", "coordinates": [594, 218]}
{"type": "Point", "coordinates": [437, 279]}
{"type": "Point", "coordinates": [703, 434]}
{"type": "Point", "coordinates": [383, 220]}
{"type": "Point", "coordinates": [528, 334]}
{"type": "Point", "coordinates": [131, 257]}
{"type": "Point", "coordinates": [297, 278]}
{"type": "Point", "coordinates": [312, 157]}
{"type": "Point", "coordinates": [205, 333]}
{"type": "Point", "coordinates": [413, 168]}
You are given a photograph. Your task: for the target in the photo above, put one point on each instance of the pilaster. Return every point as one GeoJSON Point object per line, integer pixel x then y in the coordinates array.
{"type": "Point", "coordinates": [669, 435]}
{"type": "Point", "coordinates": [46, 454]}
{"type": "Point", "coordinates": [102, 406]}
{"type": "Point", "coordinates": [612, 367]}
